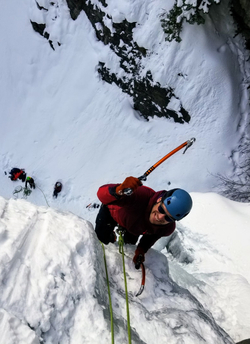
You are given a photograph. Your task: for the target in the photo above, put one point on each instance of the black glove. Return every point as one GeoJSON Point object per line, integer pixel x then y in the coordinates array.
{"type": "Point", "coordinates": [139, 257]}
{"type": "Point", "coordinates": [112, 237]}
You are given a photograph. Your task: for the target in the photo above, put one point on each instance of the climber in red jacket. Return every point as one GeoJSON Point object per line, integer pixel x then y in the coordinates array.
{"type": "Point", "coordinates": [16, 173]}
{"type": "Point", "coordinates": [145, 212]}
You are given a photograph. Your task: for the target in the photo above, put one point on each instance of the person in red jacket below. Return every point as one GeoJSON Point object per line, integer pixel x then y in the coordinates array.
{"type": "Point", "coordinates": [16, 173]}
{"type": "Point", "coordinates": [144, 213]}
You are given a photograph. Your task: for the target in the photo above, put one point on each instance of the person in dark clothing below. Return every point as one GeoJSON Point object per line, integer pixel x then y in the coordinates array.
{"type": "Point", "coordinates": [31, 183]}
{"type": "Point", "coordinates": [57, 189]}
{"type": "Point", "coordinates": [145, 213]}
{"type": "Point", "coordinates": [16, 173]}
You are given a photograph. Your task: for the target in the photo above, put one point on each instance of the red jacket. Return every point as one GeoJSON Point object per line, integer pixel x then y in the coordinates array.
{"type": "Point", "coordinates": [18, 174]}
{"type": "Point", "coordinates": [132, 213]}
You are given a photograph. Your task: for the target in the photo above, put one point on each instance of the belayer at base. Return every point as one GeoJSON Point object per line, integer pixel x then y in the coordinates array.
{"type": "Point", "coordinates": [57, 189]}
{"type": "Point", "coordinates": [31, 182]}
{"type": "Point", "coordinates": [145, 212]}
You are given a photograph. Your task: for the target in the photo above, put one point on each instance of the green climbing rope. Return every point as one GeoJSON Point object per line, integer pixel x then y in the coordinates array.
{"type": "Point", "coordinates": [26, 192]}
{"type": "Point", "coordinates": [43, 195]}
{"type": "Point", "coordinates": [110, 302]}
{"type": "Point", "coordinates": [18, 189]}
{"type": "Point", "coordinates": [121, 250]}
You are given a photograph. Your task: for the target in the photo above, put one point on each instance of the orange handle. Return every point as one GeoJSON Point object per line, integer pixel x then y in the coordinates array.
{"type": "Point", "coordinates": [186, 144]}
{"type": "Point", "coordinates": [165, 158]}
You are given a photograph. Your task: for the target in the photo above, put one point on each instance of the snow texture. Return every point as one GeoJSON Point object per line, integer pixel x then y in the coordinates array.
{"type": "Point", "coordinates": [61, 122]}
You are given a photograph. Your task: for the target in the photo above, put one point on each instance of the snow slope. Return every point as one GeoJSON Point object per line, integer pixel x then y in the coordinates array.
{"type": "Point", "coordinates": [53, 287]}
{"type": "Point", "coordinates": [60, 121]}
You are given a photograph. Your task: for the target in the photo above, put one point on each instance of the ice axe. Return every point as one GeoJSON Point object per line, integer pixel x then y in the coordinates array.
{"type": "Point", "coordinates": [143, 278]}
{"type": "Point", "coordinates": [186, 144]}
{"type": "Point", "coordinates": [139, 264]}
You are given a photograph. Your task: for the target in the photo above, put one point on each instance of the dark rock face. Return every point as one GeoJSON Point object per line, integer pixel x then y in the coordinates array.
{"type": "Point", "coordinates": [149, 97]}
{"type": "Point", "coordinates": [41, 28]}
{"type": "Point", "coordinates": [246, 341]}
{"type": "Point", "coordinates": [75, 7]}
{"type": "Point", "coordinates": [241, 13]}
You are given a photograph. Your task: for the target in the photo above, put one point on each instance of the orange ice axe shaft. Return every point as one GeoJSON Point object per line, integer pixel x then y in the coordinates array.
{"type": "Point", "coordinates": [186, 144]}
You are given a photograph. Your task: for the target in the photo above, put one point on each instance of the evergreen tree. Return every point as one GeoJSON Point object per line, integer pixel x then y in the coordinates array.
{"type": "Point", "coordinates": [190, 10]}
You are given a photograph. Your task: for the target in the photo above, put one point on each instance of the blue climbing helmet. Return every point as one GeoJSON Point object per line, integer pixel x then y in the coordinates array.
{"type": "Point", "coordinates": [178, 203]}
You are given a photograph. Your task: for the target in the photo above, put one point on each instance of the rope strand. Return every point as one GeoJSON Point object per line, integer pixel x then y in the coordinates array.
{"type": "Point", "coordinates": [121, 242]}
{"type": "Point", "coordinates": [110, 302]}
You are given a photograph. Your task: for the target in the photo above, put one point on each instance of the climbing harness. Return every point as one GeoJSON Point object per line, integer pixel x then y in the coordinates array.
{"type": "Point", "coordinates": [186, 144]}
{"type": "Point", "coordinates": [110, 302]}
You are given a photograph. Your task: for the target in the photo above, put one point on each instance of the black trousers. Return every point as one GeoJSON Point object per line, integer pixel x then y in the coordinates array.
{"type": "Point", "coordinates": [105, 225]}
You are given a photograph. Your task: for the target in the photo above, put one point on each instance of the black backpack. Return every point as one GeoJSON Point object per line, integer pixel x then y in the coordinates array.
{"type": "Point", "coordinates": [15, 170]}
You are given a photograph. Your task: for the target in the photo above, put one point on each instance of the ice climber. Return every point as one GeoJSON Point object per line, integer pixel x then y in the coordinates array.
{"type": "Point", "coordinates": [145, 213]}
